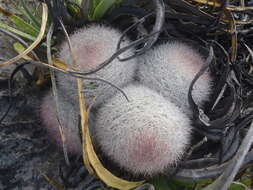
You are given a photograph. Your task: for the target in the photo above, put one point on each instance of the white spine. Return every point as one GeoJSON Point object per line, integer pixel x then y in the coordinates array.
{"type": "Point", "coordinates": [170, 68]}
{"type": "Point", "coordinates": [144, 136]}
{"type": "Point", "coordinates": [92, 46]}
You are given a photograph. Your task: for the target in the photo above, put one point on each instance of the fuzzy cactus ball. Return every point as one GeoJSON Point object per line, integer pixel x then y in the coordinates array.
{"type": "Point", "coordinates": [145, 135]}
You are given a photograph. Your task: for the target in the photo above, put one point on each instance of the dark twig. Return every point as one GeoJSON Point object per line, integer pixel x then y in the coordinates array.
{"type": "Point", "coordinates": [160, 17]}
{"type": "Point", "coordinates": [208, 172]}
{"type": "Point", "coordinates": [224, 181]}
{"type": "Point", "coordinates": [10, 88]}
{"type": "Point", "coordinates": [197, 111]}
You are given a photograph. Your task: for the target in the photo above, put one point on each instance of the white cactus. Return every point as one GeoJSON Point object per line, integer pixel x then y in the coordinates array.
{"type": "Point", "coordinates": [69, 117]}
{"type": "Point", "coordinates": [92, 46]}
{"type": "Point", "coordinates": [170, 68]}
{"type": "Point", "coordinates": [144, 136]}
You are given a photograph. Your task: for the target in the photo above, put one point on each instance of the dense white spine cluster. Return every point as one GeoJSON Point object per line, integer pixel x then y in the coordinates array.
{"type": "Point", "coordinates": [170, 68]}
{"type": "Point", "coordinates": [92, 46]}
{"type": "Point", "coordinates": [145, 135]}
{"type": "Point", "coordinates": [69, 118]}
{"type": "Point", "coordinates": [149, 133]}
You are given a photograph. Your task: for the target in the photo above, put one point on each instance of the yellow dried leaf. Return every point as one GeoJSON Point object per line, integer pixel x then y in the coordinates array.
{"type": "Point", "coordinates": [91, 161]}
{"type": "Point", "coordinates": [84, 126]}
{"type": "Point", "coordinates": [213, 3]}
{"type": "Point", "coordinates": [106, 176]}
{"type": "Point", "coordinates": [59, 64]}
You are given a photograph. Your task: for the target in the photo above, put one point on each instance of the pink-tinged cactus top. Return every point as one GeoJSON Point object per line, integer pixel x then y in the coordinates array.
{"type": "Point", "coordinates": [144, 136]}
{"type": "Point", "coordinates": [92, 45]}
{"type": "Point", "coordinates": [170, 68]}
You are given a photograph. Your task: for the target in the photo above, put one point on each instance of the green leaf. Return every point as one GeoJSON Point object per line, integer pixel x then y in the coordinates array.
{"type": "Point", "coordinates": [79, 2]}
{"type": "Point", "coordinates": [18, 47]}
{"type": "Point", "coordinates": [237, 187]}
{"type": "Point", "coordinates": [181, 184]}
{"type": "Point", "coordinates": [20, 23]}
{"type": "Point", "coordinates": [247, 180]}
{"type": "Point", "coordinates": [24, 26]}
{"type": "Point", "coordinates": [102, 8]}
{"type": "Point", "coordinates": [20, 33]}
{"type": "Point", "coordinates": [95, 3]}
{"type": "Point", "coordinates": [17, 32]}
{"type": "Point", "coordinates": [74, 10]}
{"type": "Point", "coordinates": [28, 13]}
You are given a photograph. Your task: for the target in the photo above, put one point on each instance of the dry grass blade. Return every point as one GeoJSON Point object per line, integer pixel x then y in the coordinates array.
{"type": "Point", "coordinates": [59, 64]}
{"type": "Point", "coordinates": [207, 2]}
{"type": "Point", "coordinates": [55, 92]}
{"type": "Point", "coordinates": [83, 112]}
{"type": "Point", "coordinates": [36, 42]}
{"type": "Point", "coordinates": [51, 182]}
{"type": "Point", "coordinates": [234, 35]}
{"type": "Point", "coordinates": [249, 50]}
{"type": "Point", "coordinates": [84, 126]}
{"type": "Point", "coordinates": [233, 8]}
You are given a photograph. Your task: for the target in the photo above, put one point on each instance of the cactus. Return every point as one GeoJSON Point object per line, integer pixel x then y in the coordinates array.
{"type": "Point", "coordinates": [69, 117]}
{"type": "Point", "coordinates": [92, 46]}
{"type": "Point", "coordinates": [170, 68]}
{"type": "Point", "coordinates": [144, 136]}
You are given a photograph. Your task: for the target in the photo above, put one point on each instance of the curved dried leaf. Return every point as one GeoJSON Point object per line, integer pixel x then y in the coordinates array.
{"type": "Point", "coordinates": [105, 175]}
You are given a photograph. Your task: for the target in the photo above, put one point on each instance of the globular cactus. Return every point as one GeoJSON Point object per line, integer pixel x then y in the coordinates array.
{"type": "Point", "coordinates": [170, 68]}
{"type": "Point", "coordinates": [69, 117]}
{"type": "Point", "coordinates": [92, 45]}
{"type": "Point", "coordinates": [145, 135]}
